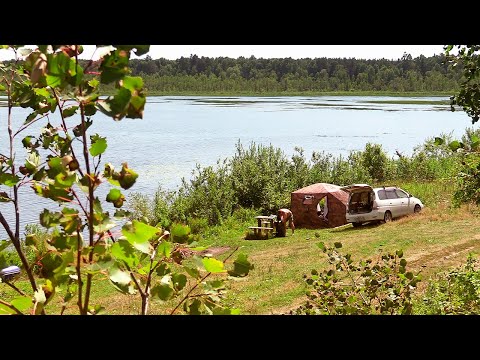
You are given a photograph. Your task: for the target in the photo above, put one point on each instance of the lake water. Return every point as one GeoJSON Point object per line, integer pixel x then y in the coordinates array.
{"type": "Point", "coordinates": [178, 132]}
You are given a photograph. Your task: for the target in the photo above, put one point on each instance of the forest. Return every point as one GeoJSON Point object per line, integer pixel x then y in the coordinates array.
{"type": "Point", "coordinates": [199, 75]}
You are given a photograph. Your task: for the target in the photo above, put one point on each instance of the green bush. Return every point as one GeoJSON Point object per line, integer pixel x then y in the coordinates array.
{"type": "Point", "coordinates": [375, 161]}
{"type": "Point", "coordinates": [198, 225]}
{"type": "Point", "coordinates": [34, 246]}
{"type": "Point", "coordinates": [364, 288]}
{"type": "Point", "coordinates": [468, 180]}
{"type": "Point", "coordinates": [453, 292]}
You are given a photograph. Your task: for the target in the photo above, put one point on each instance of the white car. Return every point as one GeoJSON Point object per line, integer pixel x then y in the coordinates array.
{"type": "Point", "coordinates": [367, 204]}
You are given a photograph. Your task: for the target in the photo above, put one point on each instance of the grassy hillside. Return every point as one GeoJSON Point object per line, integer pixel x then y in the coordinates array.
{"type": "Point", "coordinates": [435, 240]}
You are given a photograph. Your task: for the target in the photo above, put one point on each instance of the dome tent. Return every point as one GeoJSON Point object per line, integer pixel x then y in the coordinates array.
{"type": "Point", "coordinates": [308, 212]}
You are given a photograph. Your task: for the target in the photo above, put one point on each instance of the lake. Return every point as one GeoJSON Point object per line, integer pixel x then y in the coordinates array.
{"type": "Point", "coordinates": [178, 132]}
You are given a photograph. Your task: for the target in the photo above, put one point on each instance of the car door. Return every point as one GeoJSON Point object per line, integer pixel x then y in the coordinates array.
{"type": "Point", "coordinates": [354, 190]}
{"type": "Point", "coordinates": [405, 207]}
{"type": "Point", "coordinates": [393, 203]}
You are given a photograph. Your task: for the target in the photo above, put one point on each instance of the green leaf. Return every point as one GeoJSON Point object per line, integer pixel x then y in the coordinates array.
{"type": "Point", "coordinates": [136, 107]}
{"type": "Point", "coordinates": [337, 245]}
{"type": "Point", "coordinates": [212, 265]}
{"type": "Point", "coordinates": [93, 83]}
{"type": "Point", "coordinates": [133, 83]}
{"type": "Point", "coordinates": [2, 87]}
{"type": "Point", "coordinates": [455, 145]}
{"type": "Point", "coordinates": [439, 141]}
{"type": "Point", "coordinates": [54, 81]}
{"type": "Point", "coordinates": [399, 253]}
{"type": "Point", "coordinates": [162, 291]}
{"type": "Point", "coordinates": [122, 250]}
{"type": "Point", "coordinates": [403, 262]}
{"type": "Point", "coordinates": [114, 195]}
{"type": "Point", "coordinates": [90, 109]}
{"type": "Point", "coordinates": [70, 220]}
{"type": "Point", "coordinates": [99, 145]}
{"type": "Point", "coordinates": [179, 281]}
{"type": "Point", "coordinates": [192, 272]}
{"type": "Point", "coordinates": [193, 308]}
{"type": "Point", "coordinates": [5, 310]}
{"type": "Point", "coordinates": [67, 260]}
{"type": "Point", "coordinates": [145, 247]}
{"type": "Point", "coordinates": [114, 66]}
{"type": "Point", "coordinates": [4, 244]}
{"type": "Point", "coordinates": [42, 92]}
{"type": "Point", "coordinates": [22, 303]}
{"type": "Point", "coordinates": [180, 233]}
{"type": "Point", "coordinates": [124, 289]}
{"type": "Point", "coordinates": [58, 69]}
{"type": "Point", "coordinates": [165, 248]}
{"type": "Point", "coordinates": [322, 246]}
{"type": "Point", "coordinates": [49, 219]}
{"type": "Point", "coordinates": [138, 232]}
{"type": "Point", "coordinates": [127, 177]}
{"type": "Point", "coordinates": [64, 180]}
{"type": "Point", "coordinates": [241, 266]}
{"type": "Point", "coordinates": [226, 311]}
{"type": "Point", "coordinates": [69, 111]}
{"type": "Point", "coordinates": [162, 269]}
{"type": "Point", "coordinates": [120, 277]}
{"type": "Point", "coordinates": [8, 179]}
{"type": "Point", "coordinates": [216, 284]}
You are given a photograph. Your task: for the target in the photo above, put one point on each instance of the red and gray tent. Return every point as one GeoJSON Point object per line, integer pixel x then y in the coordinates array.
{"type": "Point", "coordinates": [305, 206]}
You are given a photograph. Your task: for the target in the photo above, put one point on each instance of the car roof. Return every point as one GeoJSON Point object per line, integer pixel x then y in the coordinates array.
{"type": "Point", "coordinates": [386, 188]}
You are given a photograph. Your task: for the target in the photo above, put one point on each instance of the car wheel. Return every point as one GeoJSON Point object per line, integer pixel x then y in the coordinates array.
{"type": "Point", "coordinates": [357, 224]}
{"type": "Point", "coordinates": [417, 209]}
{"type": "Point", "coordinates": [387, 217]}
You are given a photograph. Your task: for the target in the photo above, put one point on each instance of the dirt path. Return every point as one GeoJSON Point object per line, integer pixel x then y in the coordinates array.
{"type": "Point", "coordinates": [214, 251]}
{"type": "Point", "coordinates": [443, 257]}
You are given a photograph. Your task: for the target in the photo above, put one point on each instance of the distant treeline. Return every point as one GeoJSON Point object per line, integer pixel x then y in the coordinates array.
{"type": "Point", "coordinates": [222, 74]}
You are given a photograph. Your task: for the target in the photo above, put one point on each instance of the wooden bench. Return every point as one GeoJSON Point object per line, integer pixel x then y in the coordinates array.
{"type": "Point", "coordinates": [257, 230]}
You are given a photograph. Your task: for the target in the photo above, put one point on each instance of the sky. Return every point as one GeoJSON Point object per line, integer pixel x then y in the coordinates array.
{"type": "Point", "coordinates": [390, 52]}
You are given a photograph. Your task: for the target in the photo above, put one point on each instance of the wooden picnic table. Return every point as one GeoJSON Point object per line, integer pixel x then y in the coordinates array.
{"type": "Point", "coordinates": [266, 220]}
{"type": "Point", "coordinates": [265, 224]}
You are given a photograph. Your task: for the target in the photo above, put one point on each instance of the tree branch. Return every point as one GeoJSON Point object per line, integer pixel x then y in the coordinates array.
{"type": "Point", "coordinates": [199, 282]}
{"type": "Point", "coordinates": [6, 226]}
{"type": "Point", "coordinates": [78, 268]}
{"type": "Point", "coordinates": [91, 197]}
{"type": "Point", "coordinates": [353, 280]}
{"type": "Point", "coordinates": [23, 127]}
{"type": "Point", "coordinates": [16, 236]}
{"type": "Point", "coordinates": [15, 288]}
{"type": "Point", "coordinates": [64, 127]}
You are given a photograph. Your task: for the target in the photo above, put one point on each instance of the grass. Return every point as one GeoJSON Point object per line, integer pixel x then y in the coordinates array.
{"type": "Point", "coordinates": [435, 240]}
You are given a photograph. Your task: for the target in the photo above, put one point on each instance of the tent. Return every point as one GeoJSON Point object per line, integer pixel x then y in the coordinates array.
{"type": "Point", "coordinates": [319, 205]}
